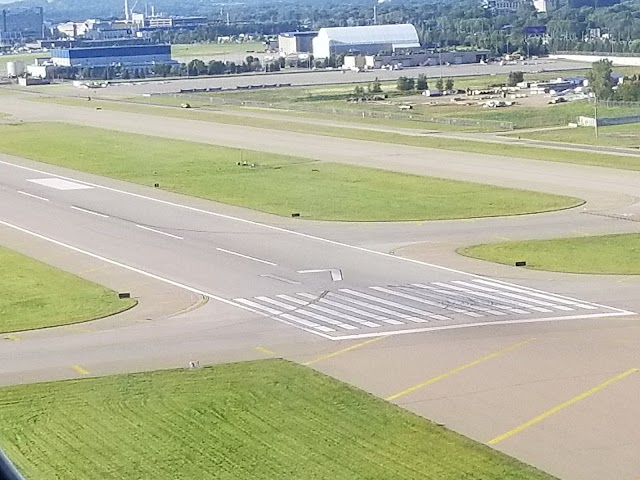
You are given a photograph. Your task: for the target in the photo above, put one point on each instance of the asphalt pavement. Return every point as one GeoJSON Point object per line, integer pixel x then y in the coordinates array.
{"type": "Point", "coordinates": [493, 351]}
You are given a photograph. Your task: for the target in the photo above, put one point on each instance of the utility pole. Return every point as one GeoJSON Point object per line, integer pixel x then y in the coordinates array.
{"type": "Point", "coordinates": [595, 114]}
{"type": "Point", "coordinates": [375, 14]}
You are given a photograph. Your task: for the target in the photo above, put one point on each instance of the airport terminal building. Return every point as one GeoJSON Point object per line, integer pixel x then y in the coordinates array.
{"type": "Point", "coordinates": [126, 56]}
{"type": "Point", "coordinates": [367, 40]}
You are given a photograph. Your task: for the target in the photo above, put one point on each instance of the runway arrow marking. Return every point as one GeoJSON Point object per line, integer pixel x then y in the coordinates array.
{"type": "Point", "coordinates": [336, 273]}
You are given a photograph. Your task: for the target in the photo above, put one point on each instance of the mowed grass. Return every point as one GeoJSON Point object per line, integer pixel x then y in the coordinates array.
{"type": "Point", "coordinates": [599, 159]}
{"type": "Point", "coordinates": [35, 295]}
{"type": "Point", "coordinates": [610, 136]}
{"type": "Point", "coordinates": [267, 420]}
{"type": "Point", "coordinates": [603, 254]}
{"type": "Point", "coordinates": [277, 184]}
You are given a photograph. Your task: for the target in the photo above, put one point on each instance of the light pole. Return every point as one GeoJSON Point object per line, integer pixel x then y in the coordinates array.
{"type": "Point", "coordinates": [595, 114]}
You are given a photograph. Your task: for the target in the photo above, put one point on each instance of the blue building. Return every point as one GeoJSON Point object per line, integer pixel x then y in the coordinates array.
{"type": "Point", "coordinates": [125, 56]}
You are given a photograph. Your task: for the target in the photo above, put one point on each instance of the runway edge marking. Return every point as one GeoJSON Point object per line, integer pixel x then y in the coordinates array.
{"type": "Point", "coordinates": [153, 276]}
{"type": "Point", "coordinates": [287, 231]}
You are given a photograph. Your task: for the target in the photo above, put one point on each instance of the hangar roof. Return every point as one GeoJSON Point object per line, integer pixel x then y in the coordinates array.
{"type": "Point", "coordinates": [401, 35]}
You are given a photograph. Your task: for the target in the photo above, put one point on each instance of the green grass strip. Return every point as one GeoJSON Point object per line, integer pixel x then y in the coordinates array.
{"type": "Point", "coordinates": [606, 254]}
{"type": "Point", "coordinates": [277, 184]}
{"type": "Point", "coordinates": [35, 295]}
{"type": "Point", "coordinates": [581, 157]}
{"type": "Point", "coordinates": [261, 420]}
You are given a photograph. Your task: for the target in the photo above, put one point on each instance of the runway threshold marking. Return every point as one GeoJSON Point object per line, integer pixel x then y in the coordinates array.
{"type": "Point", "coordinates": [149, 229]}
{"type": "Point", "coordinates": [562, 406]}
{"type": "Point", "coordinates": [159, 278]}
{"type": "Point", "coordinates": [33, 196]}
{"type": "Point", "coordinates": [266, 351]}
{"type": "Point", "coordinates": [459, 369]}
{"type": "Point", "coordinates": [80, 370]}
{"type": "Point", "coordinates": [246, 256]}
{"type": "Point", "coordinates": [342, 351]}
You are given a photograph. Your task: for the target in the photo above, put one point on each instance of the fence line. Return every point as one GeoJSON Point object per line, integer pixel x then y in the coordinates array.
{"type": "Point", "coordinates": [488, 125]}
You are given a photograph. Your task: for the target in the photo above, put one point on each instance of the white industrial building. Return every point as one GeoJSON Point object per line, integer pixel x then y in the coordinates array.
{"type": "Point", "coordinates": [369, 40]}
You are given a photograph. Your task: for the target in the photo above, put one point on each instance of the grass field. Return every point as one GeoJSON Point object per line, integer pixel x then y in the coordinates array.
{"type": "Point", "coordinates": [429, 141]}
{"type": "Point", "coordinates": [613, 136]}
{"type": "Point", "coordinates": [607, 254]}
{"type": "Point", "coordinates": [278, 184]}
{"type": "Point", "coordinates": [197, 50]}
{"type": "Point", "coordinates": [35, 295]}
{"type": "Point", "coordinates": [255, 420]}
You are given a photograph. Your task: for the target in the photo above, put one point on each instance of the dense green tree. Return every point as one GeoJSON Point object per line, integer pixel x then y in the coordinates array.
{"type": "Point", "coordinates": [600, 81]}
{"type": "Point", "coordinates": [440, 84]}
{"type": "Point", "coordinates": [515, 78]}
{"type": "Point", "coordinates": [375, 87]}
{"type": "Point", "coordinates": [448, 84]}
{"type": "Point", "coordinates": [421, 83]}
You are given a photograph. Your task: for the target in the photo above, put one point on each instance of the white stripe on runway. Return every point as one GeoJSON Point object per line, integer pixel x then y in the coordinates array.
{"type": "Point", "coordinates": [428, 302]}
{"type": "Point", "coordinates": [328, 311]}
{"type": "Point", "coordinates": [149, 229]}
{"type": "Point", "coordinates": [318, 317]}
{"type": "Point", "coordinates": [246, 256]}
{"type": "Point", "coordinates": [513, 295]}
{"type": "Point", "coordinates": [390, 304]}
{"type": "Point", "coordinates": [348, 308]}
{"type": "Point", "coordinates": [555, 298]}
{"type": "Point", "coordinates": [33, 196]}
{"type": "Point", "coordinates": [491, 297]}
{"type": "Point", "coordinates": [375, 308]}
{"type": "Point", "coordinates": [426, 289]}
{"type": "Point", "coordinates": [274, 312]}
{"type": "Point", "coordinates": [90, 212]}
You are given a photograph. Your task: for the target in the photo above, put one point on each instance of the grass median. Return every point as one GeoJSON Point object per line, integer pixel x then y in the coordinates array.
{"type": "Point", "coordinates": [276, 184]}
{"type": "Point", "coordinates": [291, 123]}
{"type": "Point", "coordinates": [35, 295]}
{"type": "Point", "coordinates": [266, 420]}
{"type": "Point", "coordinates": [603, 254]}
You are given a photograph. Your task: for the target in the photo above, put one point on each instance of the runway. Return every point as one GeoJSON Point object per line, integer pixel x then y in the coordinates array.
{"type": "Point", "coordinates": [503, 344]}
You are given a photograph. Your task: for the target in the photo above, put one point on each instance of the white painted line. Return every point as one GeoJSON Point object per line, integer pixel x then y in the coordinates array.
{"type": "Point", "coordinates": [475, 293]}
{"type": "Point", "coordinates": [277, 313]}
{"type": "Point", "coordinates": [519, 297]}
{"type": "Point", "coordinates": [149, 229]}
{"type": "Point", "coordinates": [336, 273]}
{"type": "Point", "coordinates": [399, 306]}
{"type": "Point", "coordinates": [427, 302]}
{"type": "Point", "coordinates": [341, 315]}
{"type": "Point", "coordinates": [348, 308]}
{"type": "Point", "coordinates": [458, 326]}
{"type": "Point", "coordinates": [426, 291]}
{"type": "Point", "coordinates": [151, 275]}
{"type": "Point", "coordinates": [33, 196]}
{"type": "Point", "coordinates": [60, 183]}
{"type": "Point", "coordinates": [90, 212]}
{"type": "Point", "coordinates": [555, 298]}
{"type": "Point", "coordinates": [316, 316]}
{"type": "Point", "coordinates": [246, 256]}
{"type": "Point", "coordinates": [290, 232]}
{"type": "Point", "coordinates": [375, 308]}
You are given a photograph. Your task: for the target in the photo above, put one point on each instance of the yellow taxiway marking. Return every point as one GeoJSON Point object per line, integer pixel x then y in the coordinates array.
{"type": "Point", "coordinates": [562, 406]}
{"type": "Point", "coordinates": [80, 370]}
{"type": "Point", "coordinates": [459, 369]}
{"type": "Point", "coordinates": [344, 350]}
{"type": "Point", "coordinates": [266, 351]}
{"type": "Point", "coordinates": [12, 338]}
